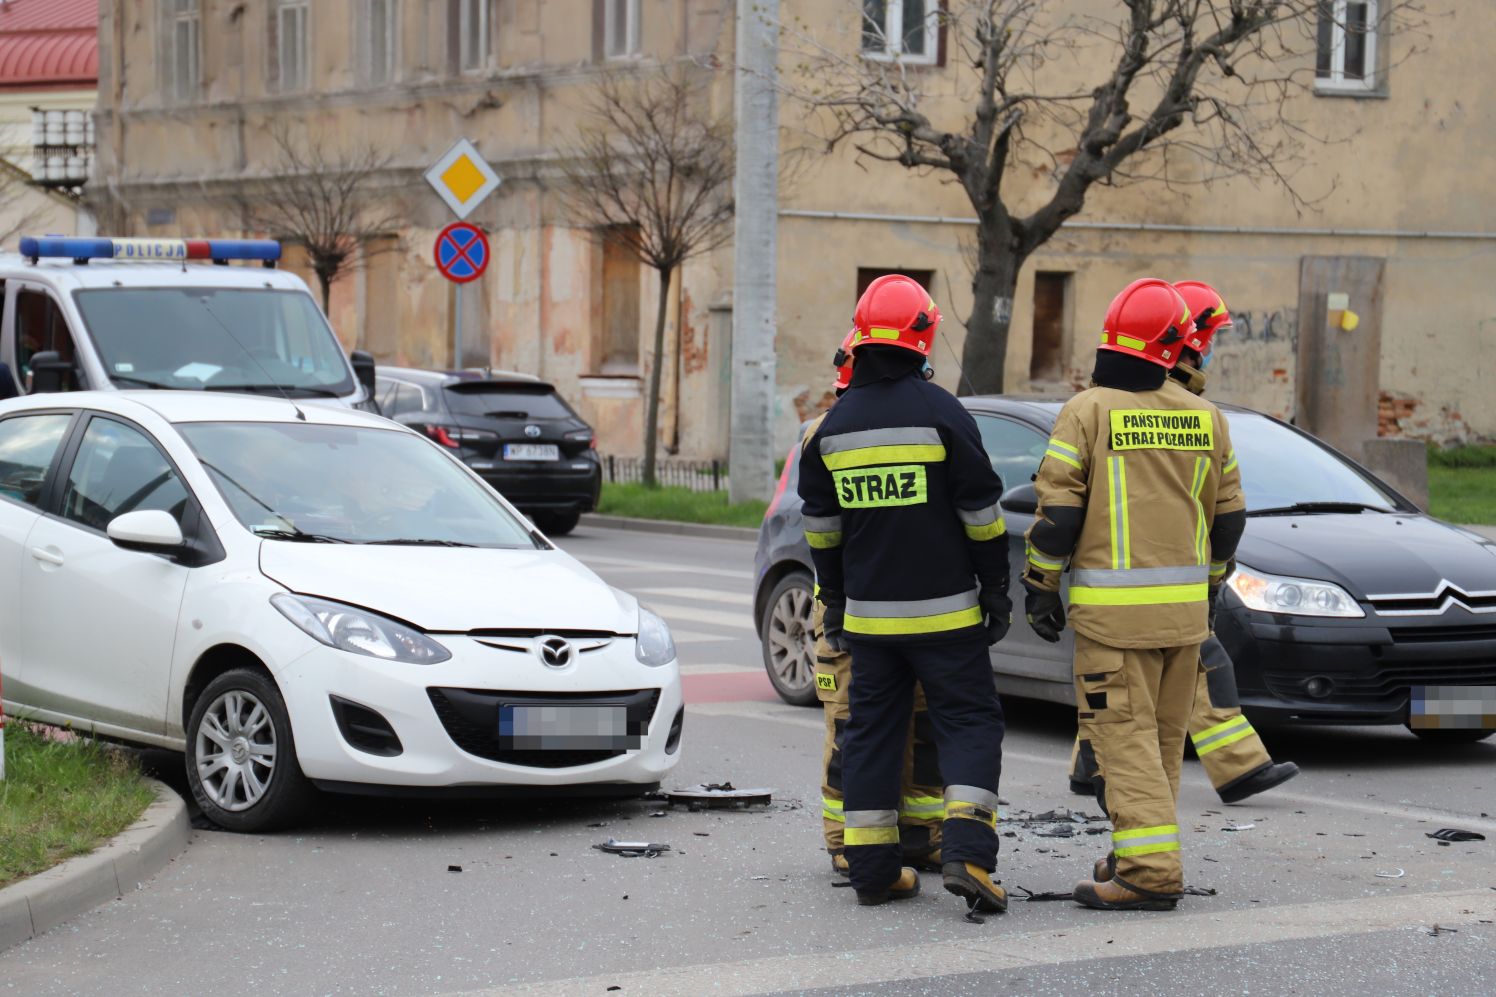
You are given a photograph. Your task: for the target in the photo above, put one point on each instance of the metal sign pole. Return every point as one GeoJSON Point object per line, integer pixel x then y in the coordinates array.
{"type": "Point", "coordinates": [457, 333]}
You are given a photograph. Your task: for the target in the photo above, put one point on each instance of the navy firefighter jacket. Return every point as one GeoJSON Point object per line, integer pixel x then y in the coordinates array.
{"type": "Point", "coordinates": [901, 511]}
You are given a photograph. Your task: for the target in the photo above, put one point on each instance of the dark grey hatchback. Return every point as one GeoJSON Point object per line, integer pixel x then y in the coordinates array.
{"type": "Point", "coordinates": [515, 431]}
{"type": "Point", "coordinates": [1348, 605]}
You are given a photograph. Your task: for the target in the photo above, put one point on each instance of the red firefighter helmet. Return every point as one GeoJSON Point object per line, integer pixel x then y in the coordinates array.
{"type": "Point", "coordinates": [1209, 311]}
{"type": "Point", "coordinates": [896, 311]}
{"type": "Point", "coordinates": [843, 363]}
{"type": "Point", "coordinates": [1149, 319]}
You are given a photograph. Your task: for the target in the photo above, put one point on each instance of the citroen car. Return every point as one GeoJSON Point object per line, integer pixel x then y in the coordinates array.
{"type": "Point", "coordinates": [300, 597]}
{"type": "Point", "coordinates": [1347, 606]}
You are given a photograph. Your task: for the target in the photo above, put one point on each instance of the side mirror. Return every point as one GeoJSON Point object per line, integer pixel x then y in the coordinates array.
{"type": "Point", "coordinates": [49, 372]}
{"type": "Point", "coordinates": [152, 531]}
{"type": "Point", "coordinates": [363, 370]}
{"type": "Point", "coordinates": [1021, 498]}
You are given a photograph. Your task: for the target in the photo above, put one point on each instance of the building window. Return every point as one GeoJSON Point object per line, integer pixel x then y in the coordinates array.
{"type": "Point", "coordinates": [1346, 52]}
{"type": "Point", "coordinates": [290, 22]}
{"type": "Point", "coordinates": [470, 18]}
{"type": "Point", "coordinates": [180, 52]}
{"type": "Point", "coordinates": [1051, 320]}
{"type": "Point", "coordinates": [866, 275]}
{"type": "Point", "coordinates": [378, 37]}
{"type": "Point", "coordinates": [620, 28]}
{"type": "Point", "coordinates": [906, 30]}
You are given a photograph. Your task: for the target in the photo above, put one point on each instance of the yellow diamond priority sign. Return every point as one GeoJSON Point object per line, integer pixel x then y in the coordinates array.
{"type": "Point", "coordinates": [462, 178]}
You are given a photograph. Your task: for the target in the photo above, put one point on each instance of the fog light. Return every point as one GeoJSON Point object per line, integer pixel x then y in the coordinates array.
{"type": "Point", "coordinates": [1319, 687]}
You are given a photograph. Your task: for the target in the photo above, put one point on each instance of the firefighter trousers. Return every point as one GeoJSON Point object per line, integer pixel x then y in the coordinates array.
{"type": "Point", "coordinates": [966, 721]}
{"type": "Point", "coordinates": [1134, 707]}
{"type": "Point", "coordinates": [1227, 744]}
{"type": "Point", "coordinates": [921, 805]}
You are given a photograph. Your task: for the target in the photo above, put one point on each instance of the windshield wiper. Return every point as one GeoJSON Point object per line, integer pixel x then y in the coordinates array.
{"type": "Point", "coordinates": [274, 389]}
{"type": "Point", "coordinates": [1312, 507]}
{"type": "Point", "coordinates": [418, 542]}
{"type": "Point", "coordinates": [297, 536]}
{"type": "Point", "coordinates": [142, 382]}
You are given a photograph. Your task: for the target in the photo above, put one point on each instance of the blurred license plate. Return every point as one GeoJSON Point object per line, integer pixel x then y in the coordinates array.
{"type": "Point", "coordinates": [1452, 707]}
{"type": "Point", "coordinates": [531, 451]}
{"type": "Point", "coordinates": [564, 727]}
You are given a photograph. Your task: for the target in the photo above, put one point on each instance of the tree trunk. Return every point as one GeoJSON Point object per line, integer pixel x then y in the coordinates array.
{"type": "Point", "coordinates": [992, 286]}
{"type": "Point", "coordinates": [652, 402]}
{"type": "Point", "coordinates": [325, 283]}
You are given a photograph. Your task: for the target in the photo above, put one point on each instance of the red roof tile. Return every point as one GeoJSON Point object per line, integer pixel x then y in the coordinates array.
{"type": "Point", "coordinates": [49, 43]}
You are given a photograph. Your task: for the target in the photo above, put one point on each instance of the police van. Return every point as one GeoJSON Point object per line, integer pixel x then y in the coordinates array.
{"type": "Point", "coordinates": [98, 313]}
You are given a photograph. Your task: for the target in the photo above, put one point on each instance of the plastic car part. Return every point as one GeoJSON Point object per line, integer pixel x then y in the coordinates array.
{"type": "Point", "coordinates": [718, 796]}
{"type": "Point", "coordinates": [633, 849]}
{"type": "Point", "coordinates": [1455, 834]}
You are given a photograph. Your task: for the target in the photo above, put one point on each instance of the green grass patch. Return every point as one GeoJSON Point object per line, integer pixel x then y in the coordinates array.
{"type": "Point", "coordinates": [61, 799]}
{"type": "Point", "coordinates": [680, 505]}
{"type": "Point", "coordinates": [1462, 457]}
{"type": "Point", "coordinates": [1462, 494]}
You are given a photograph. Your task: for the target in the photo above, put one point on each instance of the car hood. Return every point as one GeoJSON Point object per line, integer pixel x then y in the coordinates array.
{"type": "Point", "coordinates": [455, 589]}
{"type": "Point", "coordinates": [1370, 553]}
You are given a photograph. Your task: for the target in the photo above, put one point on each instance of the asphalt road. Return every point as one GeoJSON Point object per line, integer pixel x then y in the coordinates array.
{"type": "Point", "coordinates": [362, 902]}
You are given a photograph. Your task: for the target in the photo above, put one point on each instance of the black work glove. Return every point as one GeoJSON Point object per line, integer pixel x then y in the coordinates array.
{"type": "Point", "coordinates": [1210, 609]}
{"type": "Point", "coordinates": [831, 624]}
{"type": "Point", "coordinates": [1046, 614]}
{"type": "Point", "coordinates": [998, 609]}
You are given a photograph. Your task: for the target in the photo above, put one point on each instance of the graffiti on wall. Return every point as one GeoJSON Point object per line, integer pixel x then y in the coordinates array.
{"type": "Point", "coordinates": [1276, 325]}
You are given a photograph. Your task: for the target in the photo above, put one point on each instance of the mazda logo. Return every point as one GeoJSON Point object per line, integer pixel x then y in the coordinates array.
{"type": "Point", "coordinates": [532, 431]}
{"type": "Point", "coordinates": [554, 652]}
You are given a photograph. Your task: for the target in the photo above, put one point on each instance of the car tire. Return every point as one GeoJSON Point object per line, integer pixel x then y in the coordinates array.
{"type": "Point", "coordinates": [785, 636]}
{"type": "Point", "coordinates": [239, 784]}
{"type": "Point", "coordinates": [558, 524]}
{"type": "Point", "coordinates": [1451, 736]}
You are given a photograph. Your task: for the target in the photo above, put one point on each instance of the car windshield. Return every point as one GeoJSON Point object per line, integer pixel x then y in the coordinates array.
{"type": "Point", "coordinates": [1281, 468]}
{"type": "Point", "coordinates": [225, 339]}
{"type": "Point", "coordinates": [349, 484]}
{"type": "Point", "coordinates": [507, 401]}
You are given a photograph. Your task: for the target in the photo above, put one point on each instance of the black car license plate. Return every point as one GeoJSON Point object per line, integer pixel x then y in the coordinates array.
{"type": "Point", "coordinates": [1452, 707]}
{"type": "Point", "coordinates": [565, 727]}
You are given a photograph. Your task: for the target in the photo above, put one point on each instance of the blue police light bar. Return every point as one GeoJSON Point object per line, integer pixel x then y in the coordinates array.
{"type": "Point", "coordinates": [81, 250]}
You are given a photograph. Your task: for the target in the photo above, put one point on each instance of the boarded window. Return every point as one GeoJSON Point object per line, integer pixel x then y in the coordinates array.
{"type": "Point", "coordinates": [1051, 320]}
{"type": "Point", "coordinates": [620, 330]}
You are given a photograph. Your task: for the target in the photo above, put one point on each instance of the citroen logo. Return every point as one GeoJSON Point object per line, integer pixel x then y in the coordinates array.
{"type": "Point", "coordinates": [532, 431]}
{"type": "Point", "coordinates": [554, 652]}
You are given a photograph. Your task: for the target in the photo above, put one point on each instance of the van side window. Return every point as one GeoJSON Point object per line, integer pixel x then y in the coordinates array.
{"type": "Point", "coordinates": [40, 326]}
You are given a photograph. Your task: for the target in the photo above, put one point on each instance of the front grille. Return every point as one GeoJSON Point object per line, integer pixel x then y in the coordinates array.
{"type": "Point", "coordinates": [1434, 603]}
{"type": "Point", "coordinates": [471, 719]}
{"type": "Point", "coordinates": [1386, 681]}
{"type": "Point", "coordinates": [1442, 635]}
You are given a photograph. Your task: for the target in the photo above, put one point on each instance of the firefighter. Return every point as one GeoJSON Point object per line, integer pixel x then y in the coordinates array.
{"type": "Point", "coordinates": [922, 806]}
{"type": "Point", "coordinates": [910, 548]}
{"type": "Point", "coordinates": [1228, 746]}
{"type": "Point", "coordinates": [1139, 493]}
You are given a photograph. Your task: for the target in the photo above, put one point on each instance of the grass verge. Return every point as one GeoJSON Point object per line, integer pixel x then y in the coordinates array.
{"type": "Point", "coordinates": [1462, 494]}
{"type": "Point", "coordinates": [680, 505]}
{"type": "Point", "coordinates": [62, 798]}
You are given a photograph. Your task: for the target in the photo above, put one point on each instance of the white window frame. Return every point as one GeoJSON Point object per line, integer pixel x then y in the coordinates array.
{"type": "Point", "coordinates": [630, 11]}
{"type": "Point", "coordinates": [293, 74]}
{"type": "Point", "coordinates": [466, 12]}
{"type": "Point", "coordinates": [374, 73]}
{"type": "Point", "coordinates": [894, 33]}
{"type": "Point", "coordinates": [180, 16]}
{"type": "Point", "coordinates": [1337, 82]}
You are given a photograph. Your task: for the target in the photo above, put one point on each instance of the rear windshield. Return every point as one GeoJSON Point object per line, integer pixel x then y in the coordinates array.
{"type": "Point", "coordinates": [506, 401]}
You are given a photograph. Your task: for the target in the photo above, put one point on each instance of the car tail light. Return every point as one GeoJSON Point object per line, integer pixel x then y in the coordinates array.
{"type": "Point", "coordinates": [784, 480]}
{"type": "Point", "coordinates": [445, 435]}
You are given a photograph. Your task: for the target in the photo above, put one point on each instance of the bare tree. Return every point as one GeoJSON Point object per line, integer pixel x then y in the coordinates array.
{"type": "Point", "coordinates": [328, 200]}
{"type": "Point", "coordinates": [1175, 92]}
{"type": "Point", "coordinates": [651, 167]}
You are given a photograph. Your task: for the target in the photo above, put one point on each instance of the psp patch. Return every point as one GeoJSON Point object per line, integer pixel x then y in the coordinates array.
{"type": "Point", "coordinates": [876, 487]}
{"type": "Point", "coordinates": [1161, 429]}
{"type": "Point", "coordinates": [825, 681]}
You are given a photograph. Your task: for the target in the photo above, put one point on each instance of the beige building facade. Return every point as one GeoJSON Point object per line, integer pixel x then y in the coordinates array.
{"type": "Point", "coordinates": [1374, 299]}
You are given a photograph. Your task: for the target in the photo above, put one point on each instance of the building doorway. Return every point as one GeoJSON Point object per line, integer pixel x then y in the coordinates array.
{"type": "Point", "coordinates": [1051, 325]}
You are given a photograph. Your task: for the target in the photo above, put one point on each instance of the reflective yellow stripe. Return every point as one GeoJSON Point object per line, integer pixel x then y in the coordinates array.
{"type": "Point", "coordinates": [980, 812]}
{"type": "Point", "coordinates": [832, 810]}
{"type": "Point", "coordinates": [823, 541]}
{"type": "Point", "coordinates": [988, 532]}
{"type": "Point", "coordinates": [1230, 462]}
{"type": "Point", "coordinates": [1060, 455]}
{"type": "Point", "coordinates": [870, 836]}
{"type": "Point", "coordinates": [1202, 546]}
{"type": "Point", "coordinates": [1146, 840]}
{"type": "Point", "coordinates": [1064, 446]}
{"type": "Point", "coordinates": [919, 453]}
{"type": "Point", "coordinates": [1245, 732]}
{"type": "Point", "coordinates": [1120, 529]}
{"type": "Point", "coordinates": [923, 807]}
{"type": "Point", "coordinates": [1129, 342]}
{"type": "Point", "coordinates": [877, 332]}
{"type": "Point", "coordinates": [889, 625]}
{"type": "Point", "coordinates": [1142, 595]}
{"type": "Point", "coordinates": [1037, 558]}
{"type": "Point", "coordinates": [1222, 734]}
{"type": "Point", "coordinates": [1218, 568]}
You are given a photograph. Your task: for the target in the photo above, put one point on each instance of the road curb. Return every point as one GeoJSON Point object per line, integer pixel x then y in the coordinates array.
{"type": "Point", "coordinates": [119, 866]}
{"type": "Point", "coordinates": [706, 530]}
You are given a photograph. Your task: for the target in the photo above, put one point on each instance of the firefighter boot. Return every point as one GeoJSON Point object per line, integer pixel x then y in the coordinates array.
{"type": "Point", "coordinates": [839, 865]}
{"type": "Point", "coordinates": [1265, 778]}
{"type": "Point", "coordinates": [1115, 895]}
{"type": "Point", "coordinates": [928, 862]}
{"type": "Point", "coordinates": [906, 886]}
{"type": "Point", "coordinates": [974, 885]}
{"type": "Point", "coordinates": [1105, 868]}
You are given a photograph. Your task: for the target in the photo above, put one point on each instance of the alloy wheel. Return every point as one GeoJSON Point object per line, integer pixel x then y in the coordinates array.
{"type": "Point", "coordinates": [236, 750]}
{"type": "Point", "coordinates": [791, 642]}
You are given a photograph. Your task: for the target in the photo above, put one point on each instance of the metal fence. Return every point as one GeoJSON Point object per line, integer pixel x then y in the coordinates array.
{"type": "Point", "coordinates": [697, 475]}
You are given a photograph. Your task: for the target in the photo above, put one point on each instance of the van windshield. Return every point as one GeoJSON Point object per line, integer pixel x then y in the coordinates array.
{"type": "Point", "coordinates": [215, 339]}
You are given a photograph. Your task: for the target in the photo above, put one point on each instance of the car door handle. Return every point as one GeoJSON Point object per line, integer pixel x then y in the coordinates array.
{"type": "Point", "coordinates": [47, 555]}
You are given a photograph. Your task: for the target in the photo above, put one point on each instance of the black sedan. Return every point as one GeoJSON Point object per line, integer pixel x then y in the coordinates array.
{"type": "Point", "coordinates": [515, 431]}
{"type": "Point", "coordinates": [1348, 605]}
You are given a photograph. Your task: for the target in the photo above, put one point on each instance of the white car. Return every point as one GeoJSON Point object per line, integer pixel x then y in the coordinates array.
{"type": "Point", "coordinates": [299, 596]}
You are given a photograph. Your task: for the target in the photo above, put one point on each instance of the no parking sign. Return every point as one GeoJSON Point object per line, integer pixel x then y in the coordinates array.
{"type": "Point", "coordinates": [461, 252]}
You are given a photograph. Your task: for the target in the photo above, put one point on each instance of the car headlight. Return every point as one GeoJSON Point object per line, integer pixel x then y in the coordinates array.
{"type": "Point", "coordinates": [349, 628]}
{"type": "Point", "coordinates": [1295, 596]}
{"type": "Point", "coordinates": [654, 647]}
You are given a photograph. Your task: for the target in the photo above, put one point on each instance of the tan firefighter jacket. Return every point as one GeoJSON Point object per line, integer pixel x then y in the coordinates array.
{"type": "Point", "coordinates": [1129, 489]}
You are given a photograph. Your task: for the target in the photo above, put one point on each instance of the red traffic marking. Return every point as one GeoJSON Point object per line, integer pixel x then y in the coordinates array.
{"type": "Point", "coordinates": [461, 252]}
